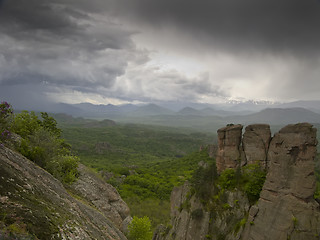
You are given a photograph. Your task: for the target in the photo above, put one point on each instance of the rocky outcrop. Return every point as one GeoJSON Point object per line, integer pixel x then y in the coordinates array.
{"type": "Point", "coordinates": [229, 151]}
{"type": "Point", "coordinates": [36, 205]}
{"type": "Point", "coordinates": [182, 207]}
{"type": "Point", "coordinates": [235, 150]}
{"type": "Point", "coordinates": [102, 196]}
{"type": "Point", "coordinates": [191, 219]}
{"type": "Point", "coordinates": [255, 144]}
{"type": "Point", "coordinates": [286, 208]}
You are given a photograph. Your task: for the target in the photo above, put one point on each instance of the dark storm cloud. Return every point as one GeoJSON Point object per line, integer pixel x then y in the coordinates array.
{"type": "Point", "coordinates": [264, 25]}
{"type": "Point", "coordinates": [61, 44]}
{"type": "Point", "coordinates": [90, 47]}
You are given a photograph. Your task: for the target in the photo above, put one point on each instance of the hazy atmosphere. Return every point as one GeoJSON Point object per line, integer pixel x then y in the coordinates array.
{"type": "Point", "coordinates": [142, 51]}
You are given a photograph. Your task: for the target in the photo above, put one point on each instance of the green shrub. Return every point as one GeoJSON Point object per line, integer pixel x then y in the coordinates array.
{"type": "Point", "coordinates": [140, 229]}
{"type": "Point", "coordinates": [64, 168]}
{"type": "Point", "coordinates": [239, 225]}
{"type": "Point", "coordinates": [250, 180]}
{"type": "Point", "coordinates": [197, 214]}
{"type": "Point", "coordinates": [203, 180]}
{"type": "Point", "coordinates": [6, 114]}
{"type": "Point", "coordinates": [253, 178]}
{"type": "Point", "coordinates": [25, 124]}
{"type": "Point", "coordinates": [42, 143]}
{"type": "Point", "coordinates": [227, 179]}
{"type": "Point", "coordinates": [40, 147]}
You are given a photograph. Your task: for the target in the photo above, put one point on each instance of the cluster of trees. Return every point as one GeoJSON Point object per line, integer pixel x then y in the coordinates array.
{"type": "Point", "coordinates": [39, 139]}
{"type": "Point", "coordinates": [250, 179]}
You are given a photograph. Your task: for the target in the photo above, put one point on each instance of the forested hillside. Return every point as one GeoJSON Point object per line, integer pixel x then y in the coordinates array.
{"type": "Point", "coordinates": [143, 162]}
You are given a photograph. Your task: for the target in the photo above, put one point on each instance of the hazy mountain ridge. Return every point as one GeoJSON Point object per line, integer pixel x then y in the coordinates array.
{"type": "Point", "coordinates": [198, 116]}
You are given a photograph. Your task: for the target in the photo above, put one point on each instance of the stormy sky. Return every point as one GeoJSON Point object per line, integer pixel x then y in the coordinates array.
{"type": "Point", "coordinates": [133, 51]}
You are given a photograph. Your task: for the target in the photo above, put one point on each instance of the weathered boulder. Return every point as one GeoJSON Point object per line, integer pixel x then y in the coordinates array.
{"type": "Point", "coordinates": [286, 208]}
{"type": "Point", "coordinates": [229, 151]}
{"type": "Point", "coordinates": [101, 195]}
{"type": "Point", "coordinates": [255, 142]}
{"type": "Point", "coordinates": [38, 206]}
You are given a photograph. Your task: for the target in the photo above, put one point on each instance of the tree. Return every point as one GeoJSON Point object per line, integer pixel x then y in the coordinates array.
{"type": "Point", "coordinates": [140, 229]}
{"type": "Point", "coordinates": [50, 124]}
{"type": "Point", "coordinates": [26, 124]}
{"type": "Point", "coordinates": [41, 142]}
{"type": "Point", "coordinates": [5, 121]}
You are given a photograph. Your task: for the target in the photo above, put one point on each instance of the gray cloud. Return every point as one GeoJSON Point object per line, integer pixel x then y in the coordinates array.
{"type": "Point", "coordinates": [287, 25]}
{"type": "Point", "coordinates": [60, 44]}
{"type": "Point", "coordinates": [250, 48]}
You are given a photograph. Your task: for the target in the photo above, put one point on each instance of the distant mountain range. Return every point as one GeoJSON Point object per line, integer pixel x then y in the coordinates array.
{"type": "Point", "coordinates": [199, 116]}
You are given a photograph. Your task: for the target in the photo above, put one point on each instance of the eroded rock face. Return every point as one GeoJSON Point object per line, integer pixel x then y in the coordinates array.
{"type": "Point", "coordinates": [101, 195]}
{"type": "Point", "coordinates": [33, 200]}
{"type": "Point", "coordinates": [255, 144]}
{"type": "Point", "coordinates": [229, 151]}
{"type": "Point", "coordinates": [286, 208]}
{"type": "Point", "coordinates": [191, 220]}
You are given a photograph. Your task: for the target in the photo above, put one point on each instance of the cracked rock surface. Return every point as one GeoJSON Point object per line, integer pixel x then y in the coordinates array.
{"type": "Point", "coordinates": [286, 208]}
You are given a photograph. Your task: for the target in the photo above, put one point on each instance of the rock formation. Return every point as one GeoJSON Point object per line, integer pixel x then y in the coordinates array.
{"type": "Point", "coordinates": [286, 208]}
{"type": "Point", "coordinates": [191, 220]}
{"type": "Point", "coordinates": [235, 151]}
{"type": "Point", "coordinates": [36, 205]}
{"type": "Point", "coordinates": [229, 151]}
{"type": "Point", "coordinates": [102, 196]}
{"type": "Point", "coordinates": [255, 142]}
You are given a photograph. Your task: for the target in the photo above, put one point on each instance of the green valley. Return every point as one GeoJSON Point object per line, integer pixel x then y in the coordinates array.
{"type": "Point", "coordinates": [143, 162]}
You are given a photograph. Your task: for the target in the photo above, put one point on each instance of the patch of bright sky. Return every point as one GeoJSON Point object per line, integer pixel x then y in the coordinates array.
{"type": "Point", "coordinates": [74, 97]}
{"type": "Point", "coordinates": [166, 61]}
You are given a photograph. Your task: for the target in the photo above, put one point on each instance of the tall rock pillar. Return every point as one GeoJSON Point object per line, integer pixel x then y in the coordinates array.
{"type": "Point", "coordinates": [255, 142]}
{"type": "Point", "coordinates": [229, 152]}
{"type": "Point", "coordinates": [286, 208]}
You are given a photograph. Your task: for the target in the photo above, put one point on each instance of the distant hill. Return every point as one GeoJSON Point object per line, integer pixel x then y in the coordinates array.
{"type": "Point", "coordinates": [310, 105]}
{"type": "Point", "coordinates": [151, 110]}
{"type": "Point", "coordinates": [190, 111]}
{"type": "Point", "coordinates": [277, 116]}
{"type": "Point", "coordinates": [208, 118]}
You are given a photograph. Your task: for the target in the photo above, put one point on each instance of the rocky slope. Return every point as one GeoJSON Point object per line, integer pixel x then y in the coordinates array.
{"type": "Point", "coordinates": [34, 205]}
{"type": "Point", "coordinates": [286, 208]}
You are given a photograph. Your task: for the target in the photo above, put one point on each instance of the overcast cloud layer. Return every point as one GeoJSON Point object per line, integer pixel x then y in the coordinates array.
{"type": "Point", "coordinates": [116, 51]}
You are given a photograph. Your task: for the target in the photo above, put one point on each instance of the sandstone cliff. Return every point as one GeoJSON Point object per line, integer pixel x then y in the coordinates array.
{"type": "Point", "coordinates": [34, 205]}
{"type": "Point", "coordinates": [286, 208]}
